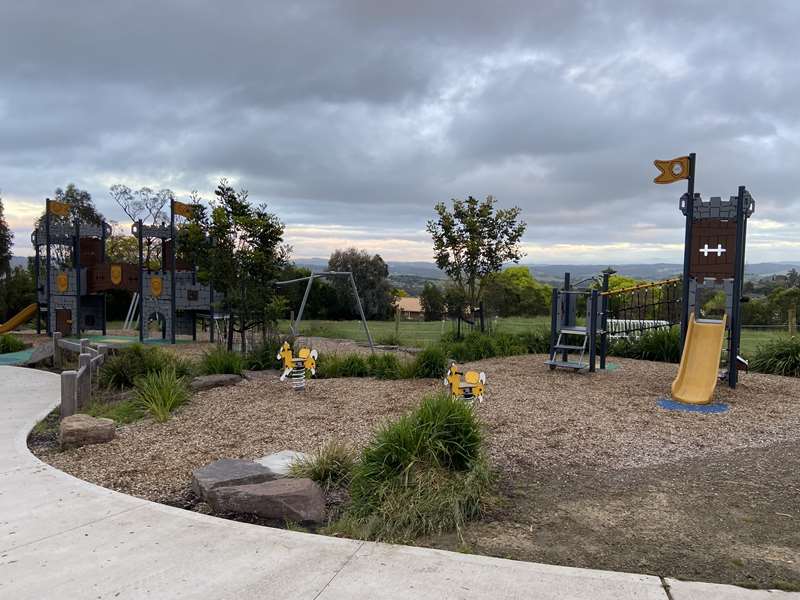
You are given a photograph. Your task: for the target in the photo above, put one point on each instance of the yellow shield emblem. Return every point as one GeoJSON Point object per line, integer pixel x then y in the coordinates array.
{"type": "Point", "coordinates": [116, 274]}
{"type": "Point", "coordinates": [62, 282]}
{"type": "Point", "coordinates": [156, 285]}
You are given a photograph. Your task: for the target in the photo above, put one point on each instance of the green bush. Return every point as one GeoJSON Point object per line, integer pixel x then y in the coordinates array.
{"type": "Point", "coordinates": [423, 474]}
{"type": "Point", "coordinates": [536, 341]}
{"type": "Point", "coordinates": [221, 361]}
{"type": "Point", "coordinates": [390, 339]}
{"type": "Point", "coordinates": [353, 365]}
{"type": "Point", "coordinates": [331, 466]}
{"type": "Point", "coordinates": [10, 343]}
{"type": "Point", "coordinates": [778, 357]}
{"type": "Point", "coordinates": [159, 393]}
{"type": "Point", "coordinates": [384, 366]}
{"type": "Point", "coordinates": [264, 356]}
{"type": "Point", "coordinates": [662, 345]}
{"type": "Point", "coordinates": [125, 411]}
{"type": "Point", "coordinates": [121, 370]}
{"type": "Point", "coordinates": [431, 363]}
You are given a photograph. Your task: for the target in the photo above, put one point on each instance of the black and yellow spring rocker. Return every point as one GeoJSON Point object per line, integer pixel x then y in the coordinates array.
{"type": "Point", "coordinates": [295, 367]}
{"type": "Point", "coordinates": [469, 388]}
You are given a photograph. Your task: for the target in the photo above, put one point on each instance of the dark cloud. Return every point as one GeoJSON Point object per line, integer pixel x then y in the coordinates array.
{"type": "Point", "coordinates": [366, 113]}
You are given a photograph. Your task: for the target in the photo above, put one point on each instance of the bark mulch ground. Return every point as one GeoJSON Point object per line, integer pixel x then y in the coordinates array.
{"type": "Point", "coordinates": [591, 471]}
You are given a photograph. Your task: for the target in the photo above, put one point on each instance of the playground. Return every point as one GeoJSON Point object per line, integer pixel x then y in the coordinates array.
{"type": "Point", "coordinates": [596, 460]}
{"type": "Point", "coordinates": [589, 476]}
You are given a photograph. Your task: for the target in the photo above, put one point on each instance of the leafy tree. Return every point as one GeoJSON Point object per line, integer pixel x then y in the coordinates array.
{"type": "Point", "coordinates": [321, 299]}
{"type": "Point", "coordinates": [81, 207]}
{"type": "Point", "coordinates": [371, 275]}
{"type": "Point", "coordinates": [514, 292]}
{"type": "Point", "coordinates": [455, 300]}
{"type": "Point", "coordinates": [243, 258]}
{"type": "Point", "coordinates": [149, 206]}
{"type": "Point", "coordinates": [432, 300]}
{"type": "Point", "coordinates": [122, 248]}
{"type": "Point", "coordinates": [6, 237]}
{"type": "Point", "coordinates": [474, 240]}
{"type": "Point", "coordinates": [17, 292]}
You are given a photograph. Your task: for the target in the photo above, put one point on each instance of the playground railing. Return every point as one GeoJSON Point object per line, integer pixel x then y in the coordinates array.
{"type": "Point", "coordinates": [76, 385]}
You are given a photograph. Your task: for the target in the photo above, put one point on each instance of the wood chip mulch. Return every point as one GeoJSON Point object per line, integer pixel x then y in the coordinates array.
{"type": "Point", "coordinates": [535, 419]}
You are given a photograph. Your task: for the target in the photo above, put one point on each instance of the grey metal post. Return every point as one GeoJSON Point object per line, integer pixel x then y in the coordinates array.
{"type": "Point", "coordinates": [77, 267]}
{"type": "Point", "coordinates": [738, 275]}
{"type": "Point", "coordinates": [68, 391]}
{"type": "Point", "coordinates": [37, 267]}
{"type": "Point", "coordinates": [57, 354]}
{"type": "Point", "coordinates": [592, 330]}
{"type": "Point", "coordinates": [554, 324]}
{"type": "Point", "coordinates": [173, 246]}
{"type": "Point", "coordinates": [296, 324]}
{"type": "Point", "coordinates": [141, 280]}
{"type": "Point", "coordinates": [687, 250]}
{"type": "Point", "coordinates": [85, 381]}
{"type": "Point", "coordinates": [361, 312]}
{"type": "Point", "coordinates": [604, 318]}
{"type": "Point", "coordinates": [50, 311]}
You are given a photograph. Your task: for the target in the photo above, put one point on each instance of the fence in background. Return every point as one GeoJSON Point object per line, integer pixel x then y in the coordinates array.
{"type": "Point", "coordinates": [76, 386]}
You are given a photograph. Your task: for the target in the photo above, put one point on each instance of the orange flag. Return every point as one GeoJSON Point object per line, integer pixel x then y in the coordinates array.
{"type": "Point", "coordinates": [672, 170]}
{"type": "Point", "coordinates": [183, 209]}
{"type": "Point", "coordinates": [60, 209]}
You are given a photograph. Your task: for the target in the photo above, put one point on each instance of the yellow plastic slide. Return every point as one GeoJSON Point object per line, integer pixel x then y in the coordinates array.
{"type": "Point", "coordinates": [18, 319]}
{"type": "Point", "coordinates": [697, 373]}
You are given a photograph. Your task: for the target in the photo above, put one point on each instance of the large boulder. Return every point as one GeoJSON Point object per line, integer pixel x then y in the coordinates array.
{"type": "Point", "coordinates": [228, 472]}
{"type": "Point", "coordinates": [299, 500]}
{"type": "Point", "coordinates": [206, 382]}
{"type": "Point", "coordinates": [280, 462]}
{"type": "Point", "coordinates": [81, 430]}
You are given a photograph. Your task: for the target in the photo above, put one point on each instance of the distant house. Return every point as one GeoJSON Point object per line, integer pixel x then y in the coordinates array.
{"type": "Point", "coordinates": [410, 309]}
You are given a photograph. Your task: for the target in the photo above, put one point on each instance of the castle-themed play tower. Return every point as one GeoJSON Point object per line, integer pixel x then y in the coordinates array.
{"type": "Point", "coordinates": [73, 276]}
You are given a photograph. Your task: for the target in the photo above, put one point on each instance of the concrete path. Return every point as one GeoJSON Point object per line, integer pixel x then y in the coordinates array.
{"type": "Point", "coordinates": [61, 537]}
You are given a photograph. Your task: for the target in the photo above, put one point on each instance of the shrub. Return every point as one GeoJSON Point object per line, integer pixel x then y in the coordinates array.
{"type": "Point", "coordinates": [778, 357]}
{"type": "Point", "coordinates": [384, 366]}
{"type": "Point", "coordinates": [122, 370]}
{"type": "Point", "coordinates": [159, 393]}
{"type": "Point", "coordinates": [221, 361]}
{"type": "Point", "coordinates": [10, 343]}
{"type": "Point", "coordinates": [536, 341]}
{"type": "Point", "coordinates": [423, 474]}
{"type": "Point", "coordinates": [353, 365]}
{"type": "Point", "coordinates": [125, 411]}
{"type": "Point", "coordinates": [431, 363]}
{"type": "Point", "coordinates": [330, 466]}
{"type": "Point", "coordinates": [390, 339]}
{"type": "Point", "coordinates": [264, 355]}
{"type": "Point", "coordinates": [659, 344]}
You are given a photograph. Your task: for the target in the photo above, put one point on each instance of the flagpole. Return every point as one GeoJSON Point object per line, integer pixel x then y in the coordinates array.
{"type": "Point", "coordinates": [687, 250]}
{"type": "Point", "coordinates": [172, 303]}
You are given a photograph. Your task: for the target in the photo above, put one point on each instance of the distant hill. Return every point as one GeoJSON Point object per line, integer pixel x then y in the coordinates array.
{"type": "Point", "coordinates": [399, 270]}
{"type": "Point", "coordinates": [19, 261]}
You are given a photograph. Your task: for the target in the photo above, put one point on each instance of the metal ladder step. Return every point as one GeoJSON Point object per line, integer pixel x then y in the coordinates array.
{"type": "Point", "coordinates": [578, 366]}
{"type": "Point", "coordinates": [577, 330]}
{"type": "Point", "coordinates": [568, 347]}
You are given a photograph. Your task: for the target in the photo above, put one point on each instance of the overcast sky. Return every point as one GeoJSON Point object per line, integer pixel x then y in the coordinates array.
{"type": "Point", "coordinates": [352, 119]}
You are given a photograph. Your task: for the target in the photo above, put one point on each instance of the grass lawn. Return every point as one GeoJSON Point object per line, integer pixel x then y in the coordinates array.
{"type": "Point", "coordinates": [412, 333]}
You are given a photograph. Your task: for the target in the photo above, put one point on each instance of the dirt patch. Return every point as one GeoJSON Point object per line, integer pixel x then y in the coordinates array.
{"type": "Point", "coordinates": [593, 472]}
{"type": "Point", "coordinates": [730, 519]}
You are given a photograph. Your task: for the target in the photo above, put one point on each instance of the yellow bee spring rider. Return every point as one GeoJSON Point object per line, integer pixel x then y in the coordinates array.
{"type": "Point", "coordinates": [469, 388]}
{"type": "Point", "coordinates": [295, 367]}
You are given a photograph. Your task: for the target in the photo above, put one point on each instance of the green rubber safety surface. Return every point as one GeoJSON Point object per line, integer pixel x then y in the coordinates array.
{"type": "Point", "coordinates": [15, 358]}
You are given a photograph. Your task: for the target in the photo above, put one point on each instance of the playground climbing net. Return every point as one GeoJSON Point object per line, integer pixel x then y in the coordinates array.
{"type": "Point", "coordinates": [634, 310]}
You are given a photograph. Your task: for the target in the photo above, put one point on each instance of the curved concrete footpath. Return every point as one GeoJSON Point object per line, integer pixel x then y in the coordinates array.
{"type": "Point", "coordinates": [61, 537]}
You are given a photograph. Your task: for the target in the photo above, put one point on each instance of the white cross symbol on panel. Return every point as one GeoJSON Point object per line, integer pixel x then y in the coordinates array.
{"type": "Point", "coordinates": [719, 250]}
